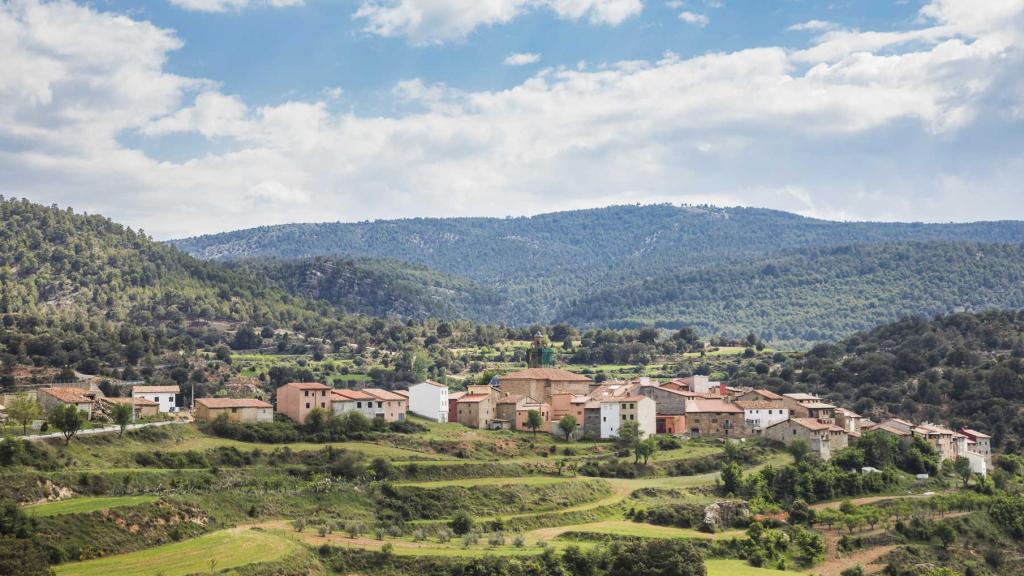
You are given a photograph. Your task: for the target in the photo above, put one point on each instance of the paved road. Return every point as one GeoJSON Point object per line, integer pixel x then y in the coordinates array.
{"type": "Point", "coordinates": [91, 431]}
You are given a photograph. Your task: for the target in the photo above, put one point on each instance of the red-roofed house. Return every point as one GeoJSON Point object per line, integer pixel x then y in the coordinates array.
{"type": "Point", "coordinates": [760, 395]}
{"type": "Point", "coordinates": [475, 410]}
{"type": "Point", "coordinates": [297, 399]}
{"type": "Point", "coordinates": [542, 383]}
{"type": "Point", "coordinates": [143, 408]}
{"type": "Point", "coordinates": [344, 401]}
{"type": "Point", "coordinates": [387, 405]}
{"type": "Point", "coordinates": [714, 418]}
{"type": "Point", "coordinates": [940, 438]}
{"type": "Point", "coordinates": [244, 410]}
{"type": "Point", "coordinates": [50, 398]}
{"type": "Point", "coordinates": [817, 434]}
{"type": "Point", "coordinates": [760, 414]}
{"type": "Point", "coordinates": [165, 396]}
{"type": "Point", "coordinates": [978, 443]}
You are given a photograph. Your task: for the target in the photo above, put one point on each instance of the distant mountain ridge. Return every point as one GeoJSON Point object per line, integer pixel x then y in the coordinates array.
{"type": "Point", "coordinates": [672, 265]}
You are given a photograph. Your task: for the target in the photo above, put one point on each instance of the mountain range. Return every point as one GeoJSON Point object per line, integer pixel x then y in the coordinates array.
{"type": "Point", "coordinates": [724, 271]}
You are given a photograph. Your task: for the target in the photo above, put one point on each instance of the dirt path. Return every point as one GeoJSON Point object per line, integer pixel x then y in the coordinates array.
{"type": "Point", "coordinates": [864, 558]}
{"type": "Point", "coordinates": [835, 504]}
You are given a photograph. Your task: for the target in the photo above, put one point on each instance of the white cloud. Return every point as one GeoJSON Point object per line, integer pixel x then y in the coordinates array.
{"type": "Point", "coordinates": [868, 126]}
{"type": "Point", "coordinates": [231, 5]}
{"type": "Point", "coordinates": [698, 20]}
{"type": "Point", "coordinates": [438, 21]}
{"type": "Point", "coordinates": [522, 59]}
{"type": "Point", "coordinates": [812, 26]}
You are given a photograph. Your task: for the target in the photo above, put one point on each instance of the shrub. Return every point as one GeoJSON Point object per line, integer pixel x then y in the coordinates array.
{"type": "Point", "coordinates": [461, 523]}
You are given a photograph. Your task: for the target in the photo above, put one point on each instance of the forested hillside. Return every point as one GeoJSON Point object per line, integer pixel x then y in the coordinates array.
{"type": "Point", "coordinates": [54, 260]}
{"type": "Point", "coordinates": [79, 291]}
{"type": "Point", "coordinates": [819, 293]}
{"type": "Point", "coordinates": [727, 271]}
{"type": "Point", "coordinates": [959, 370]}
{"type": "Point", "coordinates": [375, 287]}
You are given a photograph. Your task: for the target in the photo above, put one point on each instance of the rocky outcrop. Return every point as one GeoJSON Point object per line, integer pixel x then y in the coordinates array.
{"type": "Point", "coordinates": [724, 514]}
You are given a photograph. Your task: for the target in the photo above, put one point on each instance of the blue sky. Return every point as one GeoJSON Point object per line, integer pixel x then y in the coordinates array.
{"type": "Point", "coordinates": [272, 55]}
{"type": "Point", "coordinates": [194, 116]}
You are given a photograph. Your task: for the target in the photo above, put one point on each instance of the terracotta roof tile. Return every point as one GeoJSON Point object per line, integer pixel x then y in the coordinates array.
{"type": "Point", "coordinates": [232, 403]}
{"type": "Point", "coordinates": [810, 423]}
{"type": "Point", "coordinates": [66, 395]}
{"type": "Point", "coordinates": [473, 398]}
{"type": "Point", "coordinates": [307, 386]}
{"type": "Point", "coordinates": [758, 404]}
{"type": "Point", "coordinates": [346, 395]}
{"type": "Point", "coordinates": [381, 394]}
{"type": "Point", "coordinates": [175, 389]}
{"type": "Point", "coordinates": [128, 400]}
{"type": "Point", "coordinates": [545, 374]}
{"type": "Point", "coordinates": [709, 405]}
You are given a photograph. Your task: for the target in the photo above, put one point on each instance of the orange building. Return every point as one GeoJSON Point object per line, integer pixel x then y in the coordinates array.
{"type": "Point", "coordinates": [297, 399]}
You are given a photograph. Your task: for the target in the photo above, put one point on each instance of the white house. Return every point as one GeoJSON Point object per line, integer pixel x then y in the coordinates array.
{"type": "Point", "coordinates": [343, 401]}
{"type": "Point", "coordinates": [639, 409]}
{"type": "Point", "coordinates": [430, 400]}
{"type": "Point", "coordinates": [760, 414]}
{"type": "Point", "coordinates": [610, 414]}
{"type": "Point", "coordinates": [164, 396]}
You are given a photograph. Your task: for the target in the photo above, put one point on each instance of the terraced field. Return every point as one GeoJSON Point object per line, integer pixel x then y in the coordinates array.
{"type": "Point", "coordinates": [213, 552]}
{"type": "Point", "coordinates": [85, 504]}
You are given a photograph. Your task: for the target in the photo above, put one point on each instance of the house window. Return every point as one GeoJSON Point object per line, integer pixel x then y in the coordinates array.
{"type": "Point", "coordinates": [359, 404]}
{"type": "Point", "coordinates": [623, 416]}
{"type": "Point", "coordinates": [234, 410]}
{"type": "Point", "coordinates": [604, 419]}
{"type": "Point", "coordinates": [305, 392]}
{"type": "Point", "coordinates": [380, 404]}
{"type": "Point", "coordinates": [307, 405]}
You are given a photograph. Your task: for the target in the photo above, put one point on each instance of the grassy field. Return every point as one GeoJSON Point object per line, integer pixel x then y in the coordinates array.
{"type": "Point", "coordinates": [86, 504]}
{"type": "Point", "coordinates": [497, 481]}
{"type": "Point", "coordinates": [634, 529]}
{"type": "Point", "coordinates": [739, 568]}
{"type": "Point", "coordinates": [231, 548]}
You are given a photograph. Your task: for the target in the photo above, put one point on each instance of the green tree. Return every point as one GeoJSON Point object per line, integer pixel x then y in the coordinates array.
{"type": "Point", "coordinates": [461, 523]}
{"type": "Point", "coordinates": [23, 557]}
{"type": "Point", "coordinates": [382, 468]}
{"type": "Point", "coordinates": [800, 512]}
{"type": "Point", "coordinates": [23, 409]}
{"type": "Point", "coordinates": [809, 546]}
{"type": "Point", "coordinates": [246, 339]}
{"type": "Point", "coordinates": [646, 448]}
{"type": "Point", "coordinates": [630, 435]}
{"type": "Point", "coordinates": [121, 414]}
{"type": "Point", "coordinates": [657, 558]}
{"type": "Point", "coordinates": [962, 467]}
{"type": "Point", "coordinates": [317, 420]}
{"type": "Point", "coordinates": [799, 449]}
{"type": "Point", "coordinates": [68, 419]}
{"type": "Point", "coordinates": [568, 425]}
{"type": "Point", "coordinates": [534, 421]}
{"type": "Point", "coordinates": [946, 534]}
{"type": "Point", "coordinates": [732, 478]}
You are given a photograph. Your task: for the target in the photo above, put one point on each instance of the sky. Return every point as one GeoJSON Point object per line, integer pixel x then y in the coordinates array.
{"type": "Point", "coordinates": [185, 117]}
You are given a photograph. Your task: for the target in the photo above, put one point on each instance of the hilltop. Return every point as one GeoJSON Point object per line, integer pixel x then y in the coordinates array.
{"type": "Point", "coordinates": [724, 270]}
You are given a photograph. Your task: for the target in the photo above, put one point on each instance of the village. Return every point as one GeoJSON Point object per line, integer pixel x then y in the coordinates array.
{"type": "Point", "coordinates": [558, 402]}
